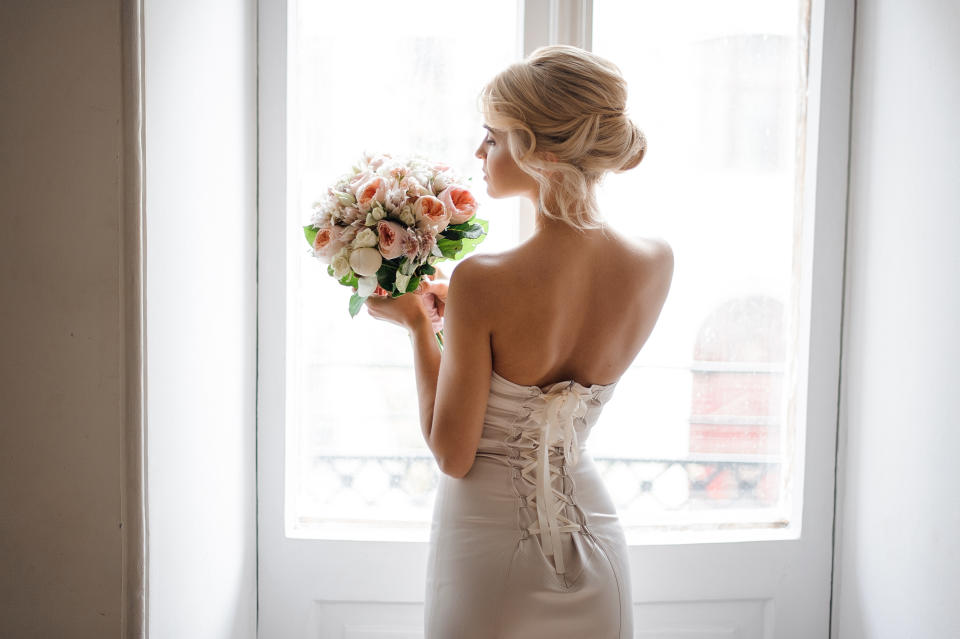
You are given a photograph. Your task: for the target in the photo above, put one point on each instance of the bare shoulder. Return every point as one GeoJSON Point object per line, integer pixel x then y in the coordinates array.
{"type": "Point", "coordinates": [653, 255]}
{"type": "Point", "coordinates": [476, 269]}
{"type": "Point", "coordinates": [656, 249]}
{"type": "Point", "coordinates": [473, 284]}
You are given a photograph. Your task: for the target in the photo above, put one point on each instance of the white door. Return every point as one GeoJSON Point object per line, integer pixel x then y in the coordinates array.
{"type": "Point", "coordinates": [728, 417]}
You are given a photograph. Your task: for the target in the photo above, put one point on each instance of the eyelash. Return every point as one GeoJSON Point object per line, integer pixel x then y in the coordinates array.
{"type": "Point", "coordinates": [488, 141]}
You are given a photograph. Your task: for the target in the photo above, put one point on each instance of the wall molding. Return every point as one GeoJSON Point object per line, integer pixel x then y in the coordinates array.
{"type": "Point", "coordinates": [133, 615]}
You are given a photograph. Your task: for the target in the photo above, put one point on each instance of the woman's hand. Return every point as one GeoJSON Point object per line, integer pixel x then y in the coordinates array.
{"type": "Point", "coordinates": [434, 296]}
{"type": "Point", "coordinates": [427, 303]}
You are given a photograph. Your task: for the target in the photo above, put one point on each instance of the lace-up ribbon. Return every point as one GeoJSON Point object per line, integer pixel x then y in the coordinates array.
{"type": "Point", "coordinates": [556, 413]}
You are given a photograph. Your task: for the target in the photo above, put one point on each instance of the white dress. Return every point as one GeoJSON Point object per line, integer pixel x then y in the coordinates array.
{"type": "Point", "coordinates": [528, 543]}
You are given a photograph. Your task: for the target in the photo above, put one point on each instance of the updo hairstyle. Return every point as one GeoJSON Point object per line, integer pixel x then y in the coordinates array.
{"type": "Point", "coordinates": [570, 103]}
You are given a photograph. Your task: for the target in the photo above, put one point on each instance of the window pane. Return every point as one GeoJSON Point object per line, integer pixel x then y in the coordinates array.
{"type": "Point", "coordinates": [356, 459]}
{"type": "Point", "coordinates": [700, 430]}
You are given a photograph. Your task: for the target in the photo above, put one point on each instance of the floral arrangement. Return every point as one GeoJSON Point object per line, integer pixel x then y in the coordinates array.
{"type": "Point", "coordinates": [383, 226]}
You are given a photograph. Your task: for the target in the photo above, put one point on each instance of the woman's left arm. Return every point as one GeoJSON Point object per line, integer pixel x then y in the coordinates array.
{"type": "Point", "coordinates": [452, 389]}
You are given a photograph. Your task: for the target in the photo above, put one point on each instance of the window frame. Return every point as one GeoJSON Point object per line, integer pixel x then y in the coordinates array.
{"type": "Point", "coordinates": [821, 245]}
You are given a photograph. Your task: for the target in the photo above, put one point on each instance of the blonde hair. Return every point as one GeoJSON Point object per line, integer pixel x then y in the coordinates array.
{"type": "Point", "coordinates": [571, 104]}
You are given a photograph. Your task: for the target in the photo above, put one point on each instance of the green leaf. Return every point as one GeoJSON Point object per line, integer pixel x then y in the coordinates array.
{"type": "Point", "coordinates": [355, 303]}
{"type": "Point", "coordinates": [470, 242]}
{"type": "Point", "coordinates": [448, 247]}
{"type": "Point", "coordinates": [452, 234]}
{"type": "Point", "coordinates": [475, 231]}
{"type": "Point", "coordinates": [310, 233]}
{"type": "Point", "coordinates": [330, 271]}
{"type": "Point", "coordinates": [350, 279]}
{"type": "Point", "coordinates": [413, 284]}
{"type": "Point", "coordinates": [426, 269]}
{"type": "Point", "coordinates": [387, 275]}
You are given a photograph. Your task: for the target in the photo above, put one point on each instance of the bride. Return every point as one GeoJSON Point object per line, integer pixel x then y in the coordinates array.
{"type": "Point", "coordinates": [525, 541]}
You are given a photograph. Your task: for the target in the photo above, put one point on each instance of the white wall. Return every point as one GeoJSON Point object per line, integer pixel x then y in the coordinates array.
{"type": "Point", "coordinates": [201, 185]}
{"type": "Point", "coordinates": [898, 561]}
{"type": "Point", "coordinates": [61, 337]}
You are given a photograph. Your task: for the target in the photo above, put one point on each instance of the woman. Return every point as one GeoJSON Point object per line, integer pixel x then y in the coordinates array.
{"type": "Point", "coordinates": [525, 541]}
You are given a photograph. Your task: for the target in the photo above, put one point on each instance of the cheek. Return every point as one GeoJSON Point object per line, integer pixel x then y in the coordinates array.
{"type": "Point", "coordinates": [498, 166]}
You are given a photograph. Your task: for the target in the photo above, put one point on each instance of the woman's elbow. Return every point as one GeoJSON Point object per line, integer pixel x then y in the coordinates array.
{"type": "Point", "coordinates": [455, 467]}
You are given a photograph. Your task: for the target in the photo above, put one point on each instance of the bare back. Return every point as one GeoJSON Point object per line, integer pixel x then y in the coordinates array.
{"type": "Point", "coordinates": [574, 307]}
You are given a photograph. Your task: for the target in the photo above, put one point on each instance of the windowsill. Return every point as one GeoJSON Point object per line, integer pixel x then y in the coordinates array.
{"type": "Point", "coordinates": [649, 536]}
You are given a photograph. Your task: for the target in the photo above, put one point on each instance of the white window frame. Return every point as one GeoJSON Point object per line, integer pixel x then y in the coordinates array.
{"type": "Point", "coordinates": [821, 245]}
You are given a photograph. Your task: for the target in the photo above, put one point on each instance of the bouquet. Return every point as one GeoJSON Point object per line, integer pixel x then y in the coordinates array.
{"type": "Point", "coordinates": [383, 226]}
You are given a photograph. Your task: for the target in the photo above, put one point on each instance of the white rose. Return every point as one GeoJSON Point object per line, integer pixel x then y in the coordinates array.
{"type": "Point", "coordinates": [407, 216]}
{"type": "Point", "coordinates": [365, 261]}
{"type": "Point", "coordinates": [365, 238]}
{"type": "Point", "coordinates": [341, 263]}
{"type": "Point", "coordinates": [366, 286]}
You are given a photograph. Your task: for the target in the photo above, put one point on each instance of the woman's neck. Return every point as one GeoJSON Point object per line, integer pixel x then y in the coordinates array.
{"type": "Point", "coordinates": [553, 229]}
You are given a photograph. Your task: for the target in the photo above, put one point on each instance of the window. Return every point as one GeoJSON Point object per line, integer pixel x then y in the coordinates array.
{"type": "Point", "coordinates": [703, 380]}
{"type": "Point", "coordinates": [705, 414]}
{"type": "Point", "coordinates": [357, 463]}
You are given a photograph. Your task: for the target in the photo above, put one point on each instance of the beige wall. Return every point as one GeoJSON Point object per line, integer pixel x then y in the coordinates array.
{"type": "Point", "coordinates": [68, 474]}
{"type": "Point", "coordinates": [61, 444]}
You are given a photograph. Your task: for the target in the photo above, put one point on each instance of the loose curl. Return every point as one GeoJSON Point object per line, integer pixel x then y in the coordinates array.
{"type": "Point", "coordinates": [563, 111]}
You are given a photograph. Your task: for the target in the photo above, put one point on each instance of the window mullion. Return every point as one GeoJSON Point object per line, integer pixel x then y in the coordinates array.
{"type": "Point", "coordinates": [552, 22]}
{"type": "Point", "coordinates": [557, 22]}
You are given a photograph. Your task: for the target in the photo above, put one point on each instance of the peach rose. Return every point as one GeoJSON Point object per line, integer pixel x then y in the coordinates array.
{"type": "Point", "coordinates": [392, 239]}
{"type": "Point", "coordinates": [373, 190]}
{"type": "Point", "coordinates": [328, 242]}
{"type": "Point", "coordinates": [431, 214]}
{"type": "Point", "coordinates": [460, 202]}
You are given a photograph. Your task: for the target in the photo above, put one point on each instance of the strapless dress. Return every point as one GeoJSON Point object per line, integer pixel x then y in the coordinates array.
{"type": "Point", "coordinates": [528, 544]}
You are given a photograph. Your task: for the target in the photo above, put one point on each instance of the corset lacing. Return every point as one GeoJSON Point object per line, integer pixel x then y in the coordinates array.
{"type": "Point", "coordinates": [555, 413]}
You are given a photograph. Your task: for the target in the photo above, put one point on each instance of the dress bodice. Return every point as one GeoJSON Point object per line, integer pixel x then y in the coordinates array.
{"type": "Point", "coordinates": [540, 433]}
{"type": "Point", "coordinates": [513, 408]}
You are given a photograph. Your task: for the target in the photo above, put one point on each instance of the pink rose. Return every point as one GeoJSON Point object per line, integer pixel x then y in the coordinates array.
{"type": "Point", "coordinates": [431, 213]}
{"type": "Point", "coordinates": [392, 239]}
{"type": "Point", "coordinates": [460, 202]}
{"type": "Point", "coordinates": [328, 242]}
{"type": "Point", "coordinates": [359, 178]}
{"type": "Point", "coordinates": [373, 190]}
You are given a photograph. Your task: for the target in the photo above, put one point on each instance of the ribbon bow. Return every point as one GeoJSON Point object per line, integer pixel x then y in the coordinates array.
{"type": "Point", "coordinates": [556, 415]}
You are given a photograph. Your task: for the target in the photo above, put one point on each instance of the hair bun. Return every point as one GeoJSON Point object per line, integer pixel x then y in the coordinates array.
{"type": "Point", "coordinates": [635, 150]}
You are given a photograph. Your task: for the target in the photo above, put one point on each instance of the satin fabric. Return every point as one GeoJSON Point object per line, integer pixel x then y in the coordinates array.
{"type": "Point", "coordinates": [528, 543]}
